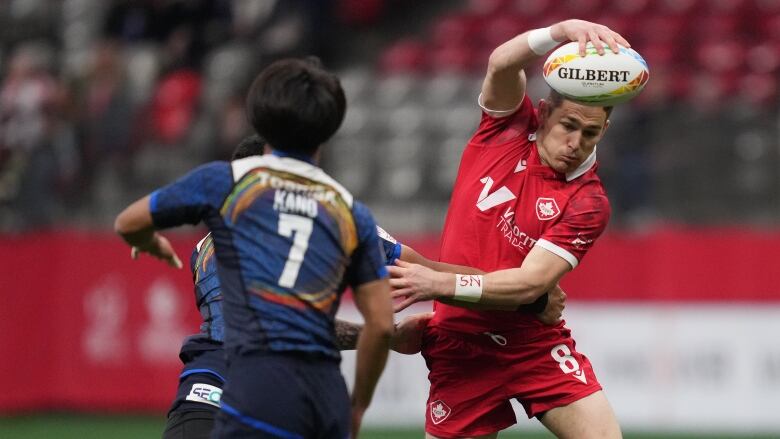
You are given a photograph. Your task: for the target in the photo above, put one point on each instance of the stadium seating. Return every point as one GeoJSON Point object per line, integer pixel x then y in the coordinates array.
{"type": "Point", "coordinates": [406, 90]}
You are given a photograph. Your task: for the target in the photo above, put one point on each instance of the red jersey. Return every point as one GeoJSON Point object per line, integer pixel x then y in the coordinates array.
{"type": "Point", "coordinates": [504, 202]}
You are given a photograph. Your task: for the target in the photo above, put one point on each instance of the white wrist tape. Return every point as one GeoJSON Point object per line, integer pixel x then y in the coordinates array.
{"type": "Point", "coordinates": [541, 41]}
{"type": "Point", "coordinates": [468, 287]}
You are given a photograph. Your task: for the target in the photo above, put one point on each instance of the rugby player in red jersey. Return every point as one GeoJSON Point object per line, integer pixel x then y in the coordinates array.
{"type": "Point", "coordinates": [527, 206]}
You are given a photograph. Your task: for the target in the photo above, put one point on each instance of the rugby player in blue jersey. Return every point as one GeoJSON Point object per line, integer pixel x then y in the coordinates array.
{"type": "Point", "coordinates": [288, 239]}
{"type": "Point", "coordinates": [197, 398]}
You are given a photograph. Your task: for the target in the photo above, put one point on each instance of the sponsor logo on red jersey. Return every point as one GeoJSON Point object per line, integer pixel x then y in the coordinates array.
{"type": "Point", "coordinates": [488, 200]}
{"type": "Point", "coordinates": [546, 209]}
{"type": "Point", "coordinates": [439, 411]}
{"type": "Point", "coordinates": [581, 240]}
{"type": "Point", "coordinates": [512, 233]}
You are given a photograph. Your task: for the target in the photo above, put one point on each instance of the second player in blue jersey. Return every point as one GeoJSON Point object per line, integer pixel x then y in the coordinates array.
{"type": "Point", "coordinates": [288, 239]}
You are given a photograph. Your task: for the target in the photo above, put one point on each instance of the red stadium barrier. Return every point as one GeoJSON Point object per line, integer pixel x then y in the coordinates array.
{"type": "Point", "coordinates": [85, 327]}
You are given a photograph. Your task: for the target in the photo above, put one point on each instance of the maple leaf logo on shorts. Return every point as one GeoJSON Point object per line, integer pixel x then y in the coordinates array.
{"type": "Point", "coordinates": [439, 411]}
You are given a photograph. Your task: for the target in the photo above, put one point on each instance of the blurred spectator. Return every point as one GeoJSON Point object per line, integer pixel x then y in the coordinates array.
{"type": "Point", "coordinates": [187, 29]}
{"type": "Point", "coordinates": [154, 87]}
{"type": "Point", "coordinates": [173, 106]}
{"type": "Point", "coordinates": [24, 20]}
{"type": "Point", "coordinates": [30, 115]}
{"type": "Point", "coordinates": [103, 108]}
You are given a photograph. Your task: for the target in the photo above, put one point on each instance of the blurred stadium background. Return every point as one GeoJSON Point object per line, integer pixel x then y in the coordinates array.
{"type": "Point", "coordinates": [101, 101]}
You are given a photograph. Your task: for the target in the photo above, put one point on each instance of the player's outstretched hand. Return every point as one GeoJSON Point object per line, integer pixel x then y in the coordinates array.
{"type": "Point", "coordinates": [160, 248]}
{"type": "Point", "coordinates": [553, 312]}
{"type": "Point", "coordinates": [585, 31]}
{"type": "Point", "coordinates": [407, 338]}
{"type": "Point", "coordinates": [414, 283]}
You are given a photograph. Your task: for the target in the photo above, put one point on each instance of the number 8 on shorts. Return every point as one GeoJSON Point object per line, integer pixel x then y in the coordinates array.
{"type": "Point", "coordinates": [562, 354]}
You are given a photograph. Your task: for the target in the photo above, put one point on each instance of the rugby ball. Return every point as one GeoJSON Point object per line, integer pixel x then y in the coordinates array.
{"type": "Point", "coordinates": [593, 79]}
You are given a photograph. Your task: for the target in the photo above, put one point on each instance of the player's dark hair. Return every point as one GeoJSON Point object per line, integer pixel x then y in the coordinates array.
{"type": "Point", "coordinates": [556, 99]}
{"type": "Point", "coordinates": [296, 105]}
{"type": "Point", "coordinates": [252, 145]}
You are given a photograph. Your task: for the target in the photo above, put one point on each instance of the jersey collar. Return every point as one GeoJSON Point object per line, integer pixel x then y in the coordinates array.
{"type": "Point", "coordinates": [584, 167]}
{"type": "Point", "coordinates": [301, 157]}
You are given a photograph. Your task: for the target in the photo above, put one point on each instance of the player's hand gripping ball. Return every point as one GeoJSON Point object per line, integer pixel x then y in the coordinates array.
{"type": "Point", "coordinates": [593, 79]}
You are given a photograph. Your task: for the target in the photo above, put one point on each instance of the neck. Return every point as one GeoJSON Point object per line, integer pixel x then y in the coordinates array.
{"type": "Point", "coordinates": [313, 159]}
{"type": "Point", "coordinates": [542, 153]}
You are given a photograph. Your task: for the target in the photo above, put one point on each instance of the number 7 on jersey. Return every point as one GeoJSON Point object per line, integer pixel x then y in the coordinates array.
{"type": "Point", "coordinates": [301, 228]}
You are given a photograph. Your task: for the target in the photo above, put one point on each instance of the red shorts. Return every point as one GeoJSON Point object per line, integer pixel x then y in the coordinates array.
{"type": "Point", "coordinates": [474, 376]}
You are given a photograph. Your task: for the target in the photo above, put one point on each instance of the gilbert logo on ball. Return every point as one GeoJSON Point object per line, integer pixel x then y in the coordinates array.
{"type": "Point", "coordinates": [593, 79]}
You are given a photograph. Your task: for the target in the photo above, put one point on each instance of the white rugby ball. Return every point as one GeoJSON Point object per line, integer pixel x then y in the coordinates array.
{"type": "Point", "coordinates": [593, 79]}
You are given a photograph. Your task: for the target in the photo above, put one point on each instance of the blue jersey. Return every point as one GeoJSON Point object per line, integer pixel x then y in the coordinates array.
{"type": "Point", "coordinates": [207, 292]}
{"type": "Point", "coordinates": [288, 239]}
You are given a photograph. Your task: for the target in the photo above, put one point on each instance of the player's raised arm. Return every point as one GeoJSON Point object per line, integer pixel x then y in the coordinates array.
{"type": "Point", "coordinates": [504, 85]}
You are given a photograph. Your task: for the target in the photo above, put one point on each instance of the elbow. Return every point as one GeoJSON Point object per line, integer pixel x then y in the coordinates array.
{"type": "Point", "coordinates": [532, 293]}
{"type": "Point", "coordinates": [382, 331]}
{"type": "Point", "coordinates": [128, 223]}
{"type": "Point", "coordinates": [386, 331]}
{"type": "Point", "coordinates": [121, 224]}
{"type": "Point", "coordinates": [497, 61]}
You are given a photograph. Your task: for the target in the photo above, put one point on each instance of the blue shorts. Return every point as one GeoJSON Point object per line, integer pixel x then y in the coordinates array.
{"type": "Point", "coordinates": [283, 395]}
{"type": "Point", "coordinates": [201, 381]}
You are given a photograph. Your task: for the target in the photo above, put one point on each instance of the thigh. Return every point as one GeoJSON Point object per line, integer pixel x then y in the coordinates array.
{"type": "Point", "coordinates": [190, 424]}
{"type": "Point", "coordinates": [588, 418]}
{"type": "Point", "coordinates": [549, 372]}
{"type": "Point", "coordinates": [467, 397]}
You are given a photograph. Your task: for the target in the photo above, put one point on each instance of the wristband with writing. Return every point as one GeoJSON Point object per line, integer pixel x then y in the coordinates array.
{"type": "Point", "coordinates": [468, 287]}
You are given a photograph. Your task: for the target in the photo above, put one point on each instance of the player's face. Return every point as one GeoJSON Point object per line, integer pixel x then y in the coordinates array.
{"type": "Point", "coordinates": [569, 134]}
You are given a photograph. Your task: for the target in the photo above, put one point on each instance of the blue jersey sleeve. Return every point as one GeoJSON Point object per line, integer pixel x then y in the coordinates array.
{"type": "Point", "coordinates": [391, 247]}
{"type": "Point", "coordinates": [194, 261]}
{"type": "Point", "coordinates": [368, 259]}
{"type": "Point", "coordinates": [190, 198]}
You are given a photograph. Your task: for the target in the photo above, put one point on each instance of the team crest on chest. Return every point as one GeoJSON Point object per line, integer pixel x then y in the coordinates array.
{"type": "Point", "coordinates": [546, 209]}
{"type": "Point", "coordinates": [439, 411]}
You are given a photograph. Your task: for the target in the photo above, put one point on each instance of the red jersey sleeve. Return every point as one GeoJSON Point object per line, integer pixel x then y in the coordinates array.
{"type": "Point", "coordinates": [497, 130]}
{"type": "Point", "coordinates": [585, 218]}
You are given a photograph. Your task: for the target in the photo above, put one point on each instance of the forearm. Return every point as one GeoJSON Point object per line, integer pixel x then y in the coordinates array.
{"type": "Point", "coordinates": [503, 290]}
{"type": "Point", "coordinates": [347, 334]}
{"type": "Point", "coordinates": [408, 254]}
{"type": "Point", "coordinates": [141, 238]}
{"type": "Point", "coordinates": [511, 57]}
{"type": "Point", "coordinates": [372, 349]}
{"type": "Point", "coordinates": [522, 50]}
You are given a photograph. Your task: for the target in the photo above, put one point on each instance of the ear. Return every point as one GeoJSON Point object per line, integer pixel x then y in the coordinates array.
{"type": "Point", "coordinates": [606, 125]}
{"type": "Point", "coordinates": [544, 111]}
{"type": "Point", "coordinates": [543, 106]}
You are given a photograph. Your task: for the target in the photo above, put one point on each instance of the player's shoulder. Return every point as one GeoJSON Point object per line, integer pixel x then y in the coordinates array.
{"type": "Point", "coordinates": [496, 128]}
{"type": "Point", "coordinates": [361, 212]}
{"type": "Point", "coordinates": [212, 172]}
{"type": "Point", "coordinates": [589, 196]}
